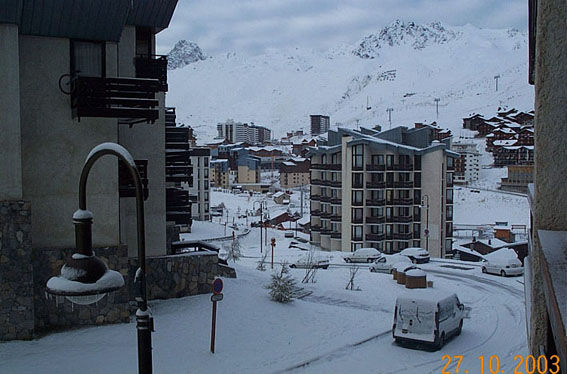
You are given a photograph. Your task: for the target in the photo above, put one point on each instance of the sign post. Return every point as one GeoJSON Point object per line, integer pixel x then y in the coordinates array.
{"type": "Point", "coordinates": [216, 296]}
{"type": "Point", "coordinates": [273, 245]}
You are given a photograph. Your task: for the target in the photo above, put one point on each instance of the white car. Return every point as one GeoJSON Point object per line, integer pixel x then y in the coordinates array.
{"type": "Point", "coordinates": [385, 263]}
{"type": "Point", "coordinates": [363, 255]}
{"type": "Point", "coordinates": [504, 267]}
{"type": "Point", "coordinates": [416, 255]}
{"type": "Point", "coordinates": [305, 262]}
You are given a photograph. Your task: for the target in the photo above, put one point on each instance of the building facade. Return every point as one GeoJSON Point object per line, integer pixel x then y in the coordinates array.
{"type": "Point", "coordinates": [295, 173]}
{"type": "Point", "coordinates": [199, 191]}
{"type": "Point", "coordinates": [219, 174]}
{"type": "Point", "coordinates": [236, 132]}
{"type": "Point", "coordinates": [389, 190]}
{"type": "Point", "coordinates": [320, 124]}
{"type": "Point", "coordinates": [249, 169]}
{"type": "Point", "coordinates": [467, 165]}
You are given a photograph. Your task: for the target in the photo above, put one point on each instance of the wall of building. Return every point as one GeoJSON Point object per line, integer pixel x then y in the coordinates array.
{"type": "Point", "coordinates": [346, 192]}
{"type": "Point", "coordinates": [16, 275]}
{"type": "Point", "coordinates": [432, 166]}
{"type": "Point", "coordinates": [143, 141]}
{"type": "Point", "coordinates": [55, 146]}
{"type": "Point", "coordinates": [247, 175]}
{"type": "Point", "coordinates": [10, 141]}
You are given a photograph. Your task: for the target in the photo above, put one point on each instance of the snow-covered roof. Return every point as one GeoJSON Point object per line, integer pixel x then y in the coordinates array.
{"type": "Point", "coordinates": [469, 251]}
{"type": "Point", "coordinates": [505, 142]}
{"type": "Point", "coordinates": [288, 163]}
{"type": "Point", "coordinates": [304, 220]}
{"type": "Point", "coordinates": [505, 130]}
{"type": "Point", "coordinates": [278, 194]}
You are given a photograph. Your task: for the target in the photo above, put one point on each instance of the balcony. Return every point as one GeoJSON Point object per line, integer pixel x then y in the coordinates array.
{"type": "Point", "coordinates": [417, 183]}
{"type": "Point", "coordinates": [336, 218]}
{"type": "Point", "coordinates": [316, 228]}
{"type": "Point", "coordinates": [335, 235]}
{"type": "Point", "coordinates": [154, 67]}
{"type": "Point", "coordinates": [318, 166]}
{"type": "Point", "coordinates": [401, 167]}
{"type": "Point", "coordinates": [315, 213]}
{"type": "Point", "coordinates": [371, 167]}
{"type": "Point", "coordinates": [375, 237]}
{"type": "Point", "coordinates": [381, 219]}
{"type": "Point", "coordinates": [336, 201]}
{"type": "Point", "coordinates": [335, 167]}
{"type": "Point", "coordinates": [126, 98]}
{"type": "Point", "coordinates": [404, 219]}
{"type": "Point", "coordinates": [315, 197]}
{"type": "Point", "coordinates": [126, 183]}
{"type": "Point", "coordinates": [178, 206]}
{"type": "Point", "coordinates": [402, 236]}
{"type": "Point", "coordinates": [334, 184]}
{"type": "Point", "coordinates": [317, 182]}
{"type": "Point", "coordinates": [375, 185]}
{"type": "Point", "coordinates": [403, 184]}
{"type": "Point", "coordinates": [325, 199]}
{"type": "Point", "coordinates": [357, 203]}
{"type": "Point", "coordinates": [402, 201]}
{"type": "Point", "coordinates": [179, 173]}
{"type": "Point", "coordinates": [375, 202]}
{"type": "Point", "coordinates": [357, 220]}
{"type": "Point", "coordinates": [326, 215]}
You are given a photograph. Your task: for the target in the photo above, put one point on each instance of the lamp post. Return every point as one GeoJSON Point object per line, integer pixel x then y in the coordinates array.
{"type": "Point", "coordinates": [425, 204]}
{"type": "Point", "coordinates": [260, 223]}
{"type": "Point", "coordinates": [84, 274]}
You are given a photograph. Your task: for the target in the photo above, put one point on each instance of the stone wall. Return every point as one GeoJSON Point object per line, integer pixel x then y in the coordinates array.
{"type": "Point", "coordinates": [179, 275]}
{"type": "Point", "coordinates": [16, 274]}
{"type": "Point", "coordinates": [53, 311]}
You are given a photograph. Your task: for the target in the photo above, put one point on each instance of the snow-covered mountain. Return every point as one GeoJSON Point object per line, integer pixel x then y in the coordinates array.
{"type": "Point", "coordinates": [403, 66]}
{"type": "Point", "coordinates": [183, 54]}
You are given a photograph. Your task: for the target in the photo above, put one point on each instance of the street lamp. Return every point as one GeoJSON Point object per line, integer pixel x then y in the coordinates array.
{"type": "Point", "coordinates": [85, 279]}
{"type": "Point", "coordinates": [425, 204]}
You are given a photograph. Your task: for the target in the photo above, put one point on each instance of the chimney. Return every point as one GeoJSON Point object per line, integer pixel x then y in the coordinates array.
{"type": "Point", "coordinates": [489, 241]}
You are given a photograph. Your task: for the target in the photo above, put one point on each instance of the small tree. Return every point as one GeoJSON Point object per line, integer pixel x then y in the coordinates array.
{"type": "Point", "coordinates": [310, 270]}
{"type": "Point", "coordinates": [233, 251]}
{"type": "Point", "coordinates": [282, 285]}
{"type": "Point", "coordinates": [352, 274]}
{"type": "Point", "coordinates": [262, 263]}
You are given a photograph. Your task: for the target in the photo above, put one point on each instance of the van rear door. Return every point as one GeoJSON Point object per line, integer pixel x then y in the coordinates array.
{"type": "Point", "coordinates": [415, 321]}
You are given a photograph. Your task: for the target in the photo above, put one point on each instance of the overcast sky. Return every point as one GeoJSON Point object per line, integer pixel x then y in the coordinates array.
{"type": "Point", "coordinates": [252, 26]}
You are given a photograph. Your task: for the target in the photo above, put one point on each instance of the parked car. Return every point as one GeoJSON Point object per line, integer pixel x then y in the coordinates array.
{"type": "Point", "coordinates": [416, 255]}
{"type": "Point", "coordinates": [503, 267]}
{"type": "Point", "coordinates": [430, 319]}
{"type": "Point", "coordinates": [385, 263]}
{"type": "Point", "coordinates": [307, 261]}
{"type": "Point", "coordinates": [363, 255]}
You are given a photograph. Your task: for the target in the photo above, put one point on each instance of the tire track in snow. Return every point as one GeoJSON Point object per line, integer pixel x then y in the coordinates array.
{"type": "Point", "coordinates": [343, 303]}
{"type": "Point", "coordinates": [336, 353]}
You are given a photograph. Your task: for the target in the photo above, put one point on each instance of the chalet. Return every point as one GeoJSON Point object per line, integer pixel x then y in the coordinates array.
{"type": "Point", "coordinates": [525, 119]}
{"type": "Point", "coordinates": [438, 133]}
{"type": "Point", "coordinates": [518, 178]}
{"type": "Point", "coordinates": [507, 113]}
{"type": "Point", "coordinates": [473, 122]}
{"type": "Point", "coordinates": [295, 173]}
{"type": "Point", "coordinates": [513, 155]}
{"type": "Point", "coordinates": [487, 127]}
{"type": "Point", "coordinates": [301, 148]}
{"type": "Point", "coordinates": [526, 136]}
{"type": "Point", "coordinates": [281, 197]}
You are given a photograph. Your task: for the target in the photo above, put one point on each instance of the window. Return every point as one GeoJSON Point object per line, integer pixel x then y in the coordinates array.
{"type": "Point", "coordinates": [388, 247]}
{"type": "Point", "coordinates": [417, 196]}
{"type": "Point", "coordinates": [206, 162]}
{"type": "Point", "coordinates": [417, 243]}
{"type": "Point", "coordinates": [87, 58]}
{"type": "Point", "coordinates": [357, 233]}
{"type": "Point", "coordinates": [417, 230]}
{"type": "Point", "coordinates": [376, 212]}
{"type": "Point", "coordinates": [417, 162]}
{"type": "Point", "coordinates": [449, 195]}
{"type": "Point", "coordinates": [355, 246]}
{"type": "Point", "coordinates": [357, 215]}
{"type": "Point", "coordinates": [449, 212]}
{"type": "Point", "coordinates": [389, 160]}
{"type": "Point", "coordinates": [357, 180]}
{"type": "Point", "coordinates": [335, 158]}
{"type": "Point", "coordinates": [378, 160]}
{"type": "Point", "coordinates": [449, 228]}
{"type": "Point", "coordinates": [143, 41]}
{"type": "Point", "coordinates": [206, 172]}
{"type": "Point", "coordinates": [450, 163]}
{"type": "Point", "coordinates": [377, 229]}
{"type": "Point", "coordinates": [357, 156]}
{"type": "Point", "coordinates": [357, 197]}
{"type": "Point", "coordinates": [448, 245]}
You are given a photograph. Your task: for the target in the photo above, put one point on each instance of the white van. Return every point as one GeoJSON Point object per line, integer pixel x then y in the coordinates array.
{"type": "Point", "coordinates": [432, 318]}
{"type": "Point", "coordinates": [503, 267]}
{"type": "Point", "coordinates": [385, 263]}
{"type": "Point", "coordinates": [363, 255]}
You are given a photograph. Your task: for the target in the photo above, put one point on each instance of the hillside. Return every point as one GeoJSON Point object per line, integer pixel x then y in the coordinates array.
{"type": "Point", "coordinates": [403, 66]}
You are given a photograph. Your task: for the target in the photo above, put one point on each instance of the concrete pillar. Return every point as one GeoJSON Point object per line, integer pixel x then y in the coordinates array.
{"type": "Point", "coordinates": [10, 138]}
{"type": "Point", "coordinates": [550, 210]}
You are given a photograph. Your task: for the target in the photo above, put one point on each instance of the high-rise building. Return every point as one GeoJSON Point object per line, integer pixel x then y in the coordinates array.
{"type": "Point", "coordinates": [320, 124]}
{"type": "Point", "coordinates": [467, 165]}
{"type": "Point", "coordinates": [389, 190]}
{"type": "Point", "coordinates": [199, 190]}
{"type": "Point", "coordinates": [238, 132]}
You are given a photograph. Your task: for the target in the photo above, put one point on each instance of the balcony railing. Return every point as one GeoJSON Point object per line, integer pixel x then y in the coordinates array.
{"type": "Point", "coordinates": [403, 184]}
{"type": "Point", "coordinates": [375, 237]}
{"type": "Point", "coordinates": [375, 202]}
{"type": "Point", "coordinates": [154, 66]}
{"type": "Point", "coordinates": [401, 167]}
{"type": "Point", "coordinates": [315, 213]}
{"type": "Point", "coordinates": [358, 203]}
{"type": "Point", "coordinates": [357, 220]}
{"type": "Point", "coordinates": [325, 199]}
{"type": "Point", "coordinates": [326, 215]}
{"type": "Point", "coordinates": [402, 236]}
{"type": "Point", "coordinates": [335, 235]}
{"type": "Point", "coordinates": [336, 201]}
{"type": "Point", "coordinates": [375, 185]}
{"type": "Point", "coordinates": [417, 183]}
{"type": "Point", "coordinates": [381, 219]}
{"type": "Point", "coordinates": [178, 206]}
{"type": "Point", "coordinates": [126, 98]}
{"type": "Point", "coordinates": [315, 197]}
{"type": "Point", "coordinates": [316, 228]}
{"type": "Point", "coordinates": [371, 167]}
{"type": "Point", "coordinates": [403, 219]}
{"type": "Point", "coordinates": [126, 183]}
{"type": "Point", "coordinates": [403, 201]}
{"type": "Point", "coordinates": [336, 218]}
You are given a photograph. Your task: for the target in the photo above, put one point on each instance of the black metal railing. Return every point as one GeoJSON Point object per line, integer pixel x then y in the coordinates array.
{"type": "Point", "coordinates": [375, 202]}
{"type": "Point", "coordinates": [375, 185]}
{"type": "Point", "coordinates": [127, 98]}
{"type": "Point", "coordinates": [380, 219]}
{"type": "Point", "coordinates": [402, 236]}
{"type": "Point", "coordinates": [126, 184]}
{"type": "Point", "coordinates": [375, 237]}
{"type": "Point", "coordinates": [153, 66]}
{"type": "Point", "coordinates": [371, 167]}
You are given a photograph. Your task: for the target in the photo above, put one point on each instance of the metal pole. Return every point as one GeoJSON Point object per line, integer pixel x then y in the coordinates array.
{"type": "Point", "coordinates": [301, 189]}
{"type": "Point", "coordinates": [427, 224]}
{"type": "Point", "coordinates": [437, 106]}
{"type": "Point", "coordinates": [144, 320]}
{"type": "Point", "coordinates": [213, 327]}
{"type": "Point", "coordinates": [272, 255]}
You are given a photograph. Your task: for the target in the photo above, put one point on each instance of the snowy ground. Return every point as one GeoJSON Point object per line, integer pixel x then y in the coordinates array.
{"type": "Point", "coordinates": [330, 330]}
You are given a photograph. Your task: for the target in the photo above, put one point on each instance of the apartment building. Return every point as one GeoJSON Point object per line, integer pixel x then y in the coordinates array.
{"type": "Point", "coordinates": [467, 165]}
{"type": "Point", "coordinates": [199, 191]}
{"type": "Point", "coordinates": [236, 132]}
{"type": "Point", "coordinates": [320, 124]}
{"type": "Point", "coordinates": [249, 169]}
{"type": "Point", "coordinates": [220, 173]}
{"type": "Point", "coordinates": [295, 173]}
{"type": "Point", "coordinates": [389, 190]}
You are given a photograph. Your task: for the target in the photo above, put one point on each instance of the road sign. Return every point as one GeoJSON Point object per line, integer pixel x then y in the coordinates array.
{"type": "Point", "coordinates": [426, 232]}
{"type": "Point", "coordinates": [217, 286]}
{"type": "Point", "coordinates": [216, 297]}
{"type": "Point", "coordinates": [273, 241]}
